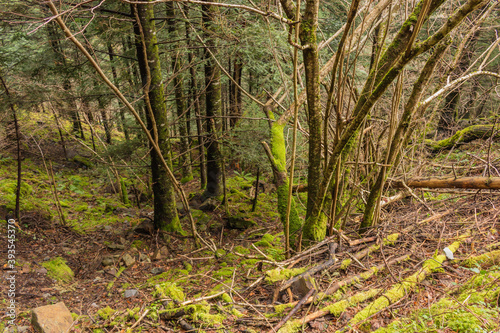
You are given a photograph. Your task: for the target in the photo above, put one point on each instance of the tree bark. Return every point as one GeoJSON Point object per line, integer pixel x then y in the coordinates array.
{"type": "Point", "coordinates": [180, 100]}
{"type": "Point", "coordinates": [212, 107]}
{"type": "Point", "coordinates": [165, 210]}
{"type": "Point", "coordinates": [117, 84]}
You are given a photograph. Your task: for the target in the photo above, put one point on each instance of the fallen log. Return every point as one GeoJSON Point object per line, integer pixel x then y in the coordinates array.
{"type": "Point", "coordinates": [468, 134]}
{"type": "Point", "coordinates": [400, 290]}
{"type": "Point", "coordinates": [486, 183]}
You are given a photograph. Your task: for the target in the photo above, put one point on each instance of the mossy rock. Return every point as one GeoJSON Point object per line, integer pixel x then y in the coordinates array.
{"type": "Point", "coordinates": [58, 270]}
{"type": "Point", "coordinates": [82, 161]}
{"type": "Point", "coordinates": [240, 222]}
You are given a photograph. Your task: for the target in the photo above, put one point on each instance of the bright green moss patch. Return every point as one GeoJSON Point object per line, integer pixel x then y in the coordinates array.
{"type": "Point", "coordinates": [391, 239]}
{"type": "Point", "coordinates": [280, 308]}
{"type": "Point", "coordinates": [337, 308]}
{"type": "Point", "coordinates": [199, 313]}
{"type": "Point", "coordinates": [345, 263]}
{"type": "Point", "coordinates": [106, 313]}
{"type": "Point", "coordinates": [58, 270]}
{"type": "Point", "coordinates": [484, 260]}
{"type": "Point", "coordinates": [224, 271]}
{"type": "Point", "coordinates": [169, 289]}
{"type": "Point", "coordinates": [277, 274]}
{"type": "Point", "coordinates": [266, 241]}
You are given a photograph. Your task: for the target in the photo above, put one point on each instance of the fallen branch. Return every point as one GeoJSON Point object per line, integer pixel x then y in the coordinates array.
{"type": "Point", "coordinates": [334, 309]}
{"type": "Point", "coordinates": [468, 134]}
{"type": "Point", "coordinates": [294, 310]}
{"type": "Point", "coordinates": [487, 183]}
{"type": "Point", "coordinates": [400, 290]}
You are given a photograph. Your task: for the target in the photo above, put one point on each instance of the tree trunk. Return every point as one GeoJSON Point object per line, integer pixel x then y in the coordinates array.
{"type": "Point", "coordinates": [180, 100]}
{"type": "Point", "coordinates": [117, 84]}
{"type": "Point", "coordinates": [212, 108]}
{"type": "Point", "coordinates": [197, 111]}
{"type": "Point", "coordinates": [235, 93]}
{"type": "Point", "coordinates": [165, 210]}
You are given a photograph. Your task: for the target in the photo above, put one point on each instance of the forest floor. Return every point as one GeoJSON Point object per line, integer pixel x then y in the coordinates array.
{"type": "Point", "coordinates": [396, 278]}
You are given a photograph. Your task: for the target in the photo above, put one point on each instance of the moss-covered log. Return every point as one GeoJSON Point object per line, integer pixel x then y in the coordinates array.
{"type": "Point", "coordinates": [399, 290]}
{"type": "Point", "coordinates": [486, 183]}
{"type": "Point", "coordinates": [468, 134]}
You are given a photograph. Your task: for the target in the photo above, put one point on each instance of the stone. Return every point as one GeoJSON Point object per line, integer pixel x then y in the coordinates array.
{"type": "Point", "coordinates": [54, 318]}
{"type": "Point", "coordinates": [128, 260]}
{"type": "Point", "coordinates": [107, 261]}
{"type": "Point", "coordinates": [157, 270]}
{"type": "Point", "coordinates": [160, 253]}
{"type": "Point", "coordinates": [303, 285]}
{"type": "Point", "coordinates": [240, 222]}
{"type": "Point", "coordinates": [131, 293]}
{"type": "Point", "coordinates": [144, 258]}
{"type": "Point", "coordinates": [146, 227]}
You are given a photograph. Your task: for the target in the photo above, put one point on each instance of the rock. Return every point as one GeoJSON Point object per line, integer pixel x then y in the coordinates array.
{"type": "Point", "coordinates": [131, 293]}
{"type": "Point", "coordinates": [303, 286]}
{"type": "Point", "coordinates": [240, 222]}
{"type": "Point", "coordinates": [124, 211]}
{"type": "Point", "coordinates": [41, 270]}
{"type": "Point", "coordinates": [128, 260]}
{"type": "Point", "coordinates": [146, 227]}
{"type": "Point", "coordinates": [51, 318]}
{"type": "Point", "coordinates": [46, 295]}
{"type": "Point", "coordinates": [157, 270]}
{"type": "Point", "coordinates": [107, 261]}
{"type": "Point", "coordinates": [209, 205]}
{"type": "Point", "coordinates": [160, 253]}
{"type": "Point", "coordinates": [144, 258]}
{"type": "Point", "coordinates": [112, 271]}
{"type": "Point", "coordinates": [107, 228]}
{"type": "Point", "coordinates": [114, 246]}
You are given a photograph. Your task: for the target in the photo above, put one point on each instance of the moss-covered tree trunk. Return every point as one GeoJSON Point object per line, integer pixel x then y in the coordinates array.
{"type": "Point", "coordinates": [165, 209]}
{"type": "Point", "coordinates": [277, 157]}
{"type": "Point", "coordinates": [212, 107]}
{"type": "Point", "coordinates": [180, 99]}
{"type": "Point", "coordinates": [316, 220]}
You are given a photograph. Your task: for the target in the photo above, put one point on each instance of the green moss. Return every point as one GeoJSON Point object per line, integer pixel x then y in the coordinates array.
{"type": "Point", "coordinates": [291, 326]}
{"type": "Point", "coordinates": [106, 312]}
{"type": "Point", "coordinates": [123, 188]}
{"type": "Point", "coordinates": [345, 263]}
{"type": "Point", "coordinates": [391, 239]}
{"type": "Point", "coordinates": [225, 271]}
{"type": "Point", "coordinates": [337, 308]}
{"type": "Point", "coordinates": [484, 260]}
{"type": "Point", "coordinates": [241, 249]}
{"type": "Point", "coordinates": [169, 289]}
{"type": "Point", "coordinates": [138, 244]}
{"type": "Point", "coordinates": [237, 313]}
{"type": "Point", "coordinates": [58, 270]}
{"type": "Point", "coordinates": [280, 308]}
{"type": "Point", "coordinates": [187, 266]}
{"type": "Point", "coordinates": [400, 289]}
{"type": "Point", "coordinates": [226, 298]}
{"type": "Point", "coordinates": [277, 274]}
{"type": "Point", "coordinates": [83, 161]}
{"type": "Point", "coordinates": [266, 241]}
{"type": "Point", "coordinates": [186, 179]}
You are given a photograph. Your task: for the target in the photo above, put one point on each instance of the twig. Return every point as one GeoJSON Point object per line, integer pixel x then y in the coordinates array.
{"type": "Point", "coordinates": [139, 320]}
